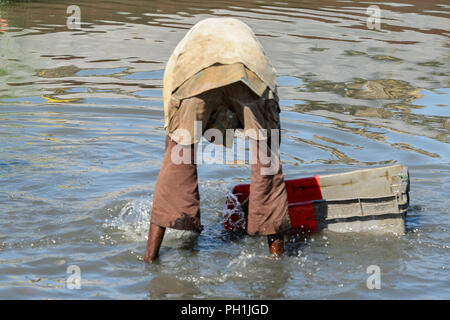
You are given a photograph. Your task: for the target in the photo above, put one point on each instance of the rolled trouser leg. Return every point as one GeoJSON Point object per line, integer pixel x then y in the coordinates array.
{"type": "Point", "coordinates": [176, 201]}
{"type": "Point", "coordinates": [268, 207]}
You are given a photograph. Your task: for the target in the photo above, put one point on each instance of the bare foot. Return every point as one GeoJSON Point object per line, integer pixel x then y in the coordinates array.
{"type": "Point", "coordinates": [276, 244]}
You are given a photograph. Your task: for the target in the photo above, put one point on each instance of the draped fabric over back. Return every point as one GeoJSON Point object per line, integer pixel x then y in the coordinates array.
{"type": "Point", "coordinates": [212, 41]}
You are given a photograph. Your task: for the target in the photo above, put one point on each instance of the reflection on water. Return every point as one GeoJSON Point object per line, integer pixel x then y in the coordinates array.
{"type": "Point", "coordinates": [82, 141]}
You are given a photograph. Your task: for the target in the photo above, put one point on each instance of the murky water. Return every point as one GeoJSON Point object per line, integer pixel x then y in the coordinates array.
{"type": "Point", "coordinates": [81, 131]}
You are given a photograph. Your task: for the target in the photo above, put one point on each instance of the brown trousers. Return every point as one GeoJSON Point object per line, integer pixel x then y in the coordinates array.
{"type": "Point", "coordinates": [176, 201]}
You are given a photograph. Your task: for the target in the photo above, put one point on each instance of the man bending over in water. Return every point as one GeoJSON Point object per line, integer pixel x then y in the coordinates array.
{"type": "Point", "coordinates": [219, 77]}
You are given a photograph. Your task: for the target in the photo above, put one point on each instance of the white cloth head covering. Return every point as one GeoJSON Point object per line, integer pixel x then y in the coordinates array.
{"type": "Point", "coordinates": [211, 41]}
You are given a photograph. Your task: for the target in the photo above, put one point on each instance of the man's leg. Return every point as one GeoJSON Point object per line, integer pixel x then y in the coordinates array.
{"type": "Point", "coordinates": [155, 238]}
{"type": "Point", "coordinates": [176, 201]}
{"type": "Point", "coordinates": [268, 206]}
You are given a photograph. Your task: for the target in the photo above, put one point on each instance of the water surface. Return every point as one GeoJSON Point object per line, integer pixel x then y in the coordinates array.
{"type": "Point", "coordinates": [82, 141]}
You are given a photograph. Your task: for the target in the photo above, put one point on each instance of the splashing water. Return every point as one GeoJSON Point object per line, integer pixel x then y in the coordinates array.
{"type": "Point", "coordinates": [133, 219]}
{"type": "Point", "coordinates": [234, 217]}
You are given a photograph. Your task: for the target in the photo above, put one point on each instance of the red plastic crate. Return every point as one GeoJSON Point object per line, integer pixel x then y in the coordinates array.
{"type": "Point", "coordinates": [301, 195]}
